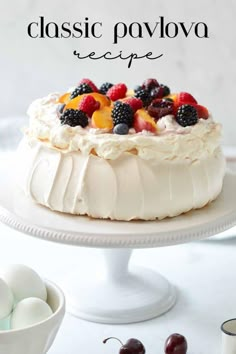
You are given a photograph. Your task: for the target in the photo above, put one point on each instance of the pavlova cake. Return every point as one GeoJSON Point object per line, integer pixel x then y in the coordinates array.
{"type": "Point", "coordinates": [121, 154]}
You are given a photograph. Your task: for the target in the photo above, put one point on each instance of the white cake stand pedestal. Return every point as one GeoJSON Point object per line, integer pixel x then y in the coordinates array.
{"type": "Point", "coordinates": [118, 293]}
{"type": "Point", "coordinates": [121, 294]}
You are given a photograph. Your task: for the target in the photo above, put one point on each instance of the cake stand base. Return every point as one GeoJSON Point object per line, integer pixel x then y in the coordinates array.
{"type": "Point", "coordinates": [117, 293]}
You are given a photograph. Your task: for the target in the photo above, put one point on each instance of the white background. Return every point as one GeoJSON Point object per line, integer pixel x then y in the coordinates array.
{"type": "Point", "coordinates": [30, 68]}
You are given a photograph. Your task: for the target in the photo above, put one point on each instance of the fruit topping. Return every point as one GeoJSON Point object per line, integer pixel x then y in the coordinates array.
{"type": "Point", "coordinates": [135, 103]}
{"type": "Point", "coordinates": [79, 90]}
{"type": "Point", "coordinates": [181, 99]}
{"type": "Point", "coordinates": [88, 105]}
{"type": "Point", "coordinates": [150, 84]}
{"type": "Point", "coordinates": [74, 117]}
{"type": "Point", "coordinates": [74, 103]}
{"type": "Point", "coordinates": [176, 344]}
{"type": "Point", "coordinates": [130, 93]}
{"type": "Point", "coordinates": [117, 109]}
{"type": "Point", "coordinates": [60, 109]}
{"type": "Point", "coordinates": [186, 115]}
{"type": "Point", "coordinates": [202, 111]}
{"type": "Point", "coordinates": [160, 108]}
{"type": "Point", "coordinates": [103, 100]}
{"type": "Point", "coordinates": [102, 119]}
{"type": "Point", "coordinates": [122, 113]}
{"type": "Point", "coordinates": [90, 83]}
{"type": "Point", "coordinates": [144, 96]}
{"type": "Point", "coordinates": [117, 92]}
{"type": "Point", "coordinates": [64, 98]}
{"type": "Point", "coordinates": [166, 90]}
{"type": "Point", "coordinates": [185, 98]}
{"type": "Point", "coordinates": [143, 121]}
{"type": "Point", "coordinates": [132, 346]}
{"type": "Point", "coordinates": [105, 87]}
{"type": "Point", "coordinates": [137, 88]}
{"type": "Point", "coordinates": [172, 96]}
{"type": "Point", "coordinates": [121, 129]}
{"type": "Point", "coordinates": [157, 92]}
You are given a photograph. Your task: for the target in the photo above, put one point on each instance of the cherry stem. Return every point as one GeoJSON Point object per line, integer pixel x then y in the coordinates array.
{"type": "Point", "coordinates": [105, 340]}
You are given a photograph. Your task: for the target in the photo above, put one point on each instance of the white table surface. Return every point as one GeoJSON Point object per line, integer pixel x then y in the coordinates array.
{"type": "Point", "coordinates": [202, 271]}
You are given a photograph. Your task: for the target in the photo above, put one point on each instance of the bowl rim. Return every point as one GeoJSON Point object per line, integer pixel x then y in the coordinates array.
{"type": "Point", "coordinates": [61, 308]}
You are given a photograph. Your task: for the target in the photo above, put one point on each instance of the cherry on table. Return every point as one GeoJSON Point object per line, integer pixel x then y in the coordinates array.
{"type": "Point", "coordinates": [132, 346]}
{"type": "Point", "coordinates": [176, 344]}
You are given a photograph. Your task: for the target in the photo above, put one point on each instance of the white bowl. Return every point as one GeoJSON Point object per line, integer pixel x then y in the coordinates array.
{"type": "Point", "coordinates": [36, 339]}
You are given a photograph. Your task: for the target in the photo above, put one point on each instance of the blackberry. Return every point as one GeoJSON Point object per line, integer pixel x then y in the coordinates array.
{"type": "Point", "coordinates": [105, 87]}
{"type": "Point", "coordinates": [122, 113]}
{"type": "Point", "coordinates": [82, 88]}
{"type": "Point", "coordinates": [166, 90]}
{"type": "Point", "coordinates": [74, 117]}
{"type": "Point", "coordinates": [144, 96]}
{"type": "Point", "coordinates": [160, 108]}
{"type": "Point", "coordinates": [137, 88]}
{"type": "Point", "coordinates": [186, 115]}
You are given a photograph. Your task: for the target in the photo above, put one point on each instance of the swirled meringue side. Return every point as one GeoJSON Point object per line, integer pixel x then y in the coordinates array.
{"type": "Point", "coordinates": [128, 187]}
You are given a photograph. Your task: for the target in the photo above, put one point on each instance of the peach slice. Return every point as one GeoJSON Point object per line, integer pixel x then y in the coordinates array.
{"type": "Point", "coordinates": [130, 93]}
{"type": "Point", "coordinates": [64, 98]}
{"type": "Point", "coordinates": [102, 99]}
{"type": "Point", "coordinates": [74, 103]}
{"type": "Point", "coordinates": [143, 121]}
{"type": "Point", "coordinates": [172, 96]}
{"type": "Point", "coordinates": [102, 119]}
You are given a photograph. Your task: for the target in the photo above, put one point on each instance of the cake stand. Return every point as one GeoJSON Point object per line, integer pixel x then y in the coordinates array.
{"type": "Point", "coordinates": [121, 294]}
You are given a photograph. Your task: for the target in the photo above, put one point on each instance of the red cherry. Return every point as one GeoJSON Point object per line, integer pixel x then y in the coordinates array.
{"type": "Point", "coordinates": [150, 84]}
{"type": "Point", "coordinates": [176, 344]}
{"type": "Point", "coordinates": [160, 108]}
{"type": "Point", "coordinates": [157, 92]}
{"type": "Point", "coordinates": [132, 346]}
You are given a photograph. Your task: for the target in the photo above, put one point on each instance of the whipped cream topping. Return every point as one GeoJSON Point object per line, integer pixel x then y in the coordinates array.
{"type": "Point", "coordinates": [171, 141]}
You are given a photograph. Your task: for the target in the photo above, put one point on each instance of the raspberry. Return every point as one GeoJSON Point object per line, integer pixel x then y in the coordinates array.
{"type": "Point", "coordinates": [82, 88]}
{"type": "Point", "coordinates": [135, 103]}
{"type": "Point", "coordinates": [144, 96]}
{"type": "Point", "coordinates": [105, 87]}
{"type": "Point", "coordinates": [117, 91]}
{"type": "Point", "coordinates": [88, 105]}
{"type": "Point", "coordinates": [122, 113]}
{"type": "Point", "coordinates": [150, 84]}
{"type": "Point", "coordinates": [90, 83]}
{"type": "Point", "coordinates": [74, 117]}
{"type": "Point", "coordinates": [160, 108]}
{"type": "Point", "coordinates": [186, 115]}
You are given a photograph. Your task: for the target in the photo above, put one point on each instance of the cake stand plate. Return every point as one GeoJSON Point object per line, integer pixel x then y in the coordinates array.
{"type": "Point", "coordinates": [122, 294]}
